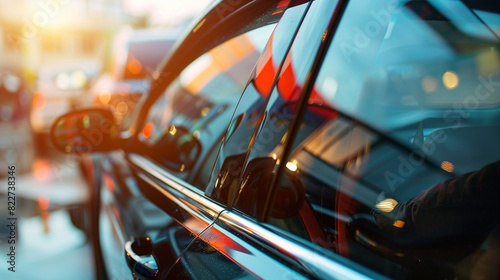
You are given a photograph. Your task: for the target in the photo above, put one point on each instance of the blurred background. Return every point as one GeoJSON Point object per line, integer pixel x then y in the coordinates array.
{"type": "Point", "coordinates": [57, 56]}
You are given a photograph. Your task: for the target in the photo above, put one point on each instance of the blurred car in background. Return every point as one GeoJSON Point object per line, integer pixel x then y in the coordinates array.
{"type": "Point", "coordinates": [363, 144]}
{"type": "Point", "coordinates": [60, 88]}
{"type": "Point", "coordinates": [136, 54]}
{"type": "Point", "coordinates": [16, 137]}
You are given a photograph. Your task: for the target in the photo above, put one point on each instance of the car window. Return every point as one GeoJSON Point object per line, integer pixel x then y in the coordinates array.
{"type": "Point", "coordinates": [395, 163]}
{"type": "Point", "coordinates": [143, 57]}
{"type": "Point", "coordinates": [261, 122]}
{"type": "Point", "coordinates": [246, 116]}
{"type": "Point", "coordinates": [197, 106]}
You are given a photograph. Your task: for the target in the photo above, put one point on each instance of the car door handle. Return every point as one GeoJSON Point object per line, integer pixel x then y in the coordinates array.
{"type": "Point", "coordinates": [140, 259]}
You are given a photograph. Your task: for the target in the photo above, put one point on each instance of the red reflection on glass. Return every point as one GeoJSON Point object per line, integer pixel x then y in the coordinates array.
{"type": "Point", "coordinates": [148, 129]}
{"type": "Point", "coordinates": [265, 71]}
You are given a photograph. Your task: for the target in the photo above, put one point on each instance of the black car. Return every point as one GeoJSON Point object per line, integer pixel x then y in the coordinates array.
{"type": "Point", "coordinates": [307, 140]}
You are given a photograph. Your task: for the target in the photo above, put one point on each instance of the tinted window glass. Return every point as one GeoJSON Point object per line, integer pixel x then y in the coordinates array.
{"type": "Point", "coordinates": [143, 58]}
{"type": "Point", "coordinates": [247, 117]}
{"type": "Point", "coordinates": [396, 165]}
{"type": "Point", "coordinates": [262, 148]}
{"type": "Point", "coordinates": [197, 105]}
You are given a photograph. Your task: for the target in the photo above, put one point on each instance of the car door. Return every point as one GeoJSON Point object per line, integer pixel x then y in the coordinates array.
{"type": "Point", "coordinates": [215, 254]}
{"type": "Point", "coordinates": [245, 166]}
{"type": "Point", "coordinates": [152, 199]}
{"type": "Point", "coordinates": [376, 173]}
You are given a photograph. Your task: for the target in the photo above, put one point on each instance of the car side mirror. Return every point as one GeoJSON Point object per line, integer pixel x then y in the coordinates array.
{"type": "Point", "coordinates": [89, 130]}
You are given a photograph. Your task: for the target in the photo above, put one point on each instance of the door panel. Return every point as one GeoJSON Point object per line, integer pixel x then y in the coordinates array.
{"type": "Point", "coordinates": [129, 197]}
{"type": "Point", "coordinates": [255, 248]}
{"type": "Point", "coordinates": [183, 202]}
{"type": "Point", "coordinates": [192, 103]}
{"type": "Point", "coordinates": [190, 213]}
{"type": "Point", "coordinates": [125, 213]}
{"type": "Point", "coordinates": [230, 236]}
{"type": "Point", "coordinates": [203, 261]}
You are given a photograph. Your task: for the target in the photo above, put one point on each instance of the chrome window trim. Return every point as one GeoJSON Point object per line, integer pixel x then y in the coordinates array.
{"type": "Point", "coordinates": [116, 225]}
{"type": "Point", "coordinates": [332, 267]}
{"type": "Point", "coordinates": [249, 257]}
{"type": "Point", "coordinates": [197, 203]}
{"type": "Point", "coordinates": [182, 203]}
{"type": "Point", "coordinates": [119, 155]}
{"type": "Point", "coordinates": [320, 262]}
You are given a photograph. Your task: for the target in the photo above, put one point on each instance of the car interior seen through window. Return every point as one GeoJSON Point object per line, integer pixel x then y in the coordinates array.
{"type": "Point", "coordinates": [395, 155]}
{"type": "Point", "coordinates": [196, 106]}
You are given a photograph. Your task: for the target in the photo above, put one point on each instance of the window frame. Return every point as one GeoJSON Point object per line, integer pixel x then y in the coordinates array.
{"type": "Point", "coordinates": [215, 27]}
{"type": "Point", "coordinates": [302, 105]}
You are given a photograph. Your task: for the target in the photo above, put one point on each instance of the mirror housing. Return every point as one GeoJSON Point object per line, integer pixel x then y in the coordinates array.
{"type": "Point", "coordinates": [83, 131]}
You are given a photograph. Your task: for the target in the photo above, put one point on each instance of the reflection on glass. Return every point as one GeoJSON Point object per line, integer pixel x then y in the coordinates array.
{"type": "Point", "coordinates": [447, 166]}
{"type": "Point", "coordinates": [386, 205]}
{"type": "Point", "coordinates": [202, 98]}
{"type": "Point", "coordinates": [414, 127]}
{"type": "Point", "coordinates": [292, 165]}
{"type": "Point", "coordinates": [450, 80]}
{"type": "Point", "coordinates": [429, 84]}
{"type": "Point", "coordinates": [148, 128]}
{"type": "Point", "coordinates": [259, 127]}
{"type": "Point", "coordinates": [172, 130]}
